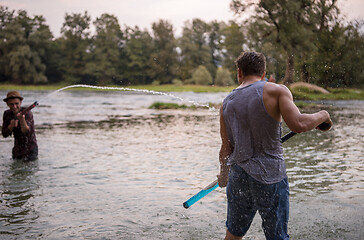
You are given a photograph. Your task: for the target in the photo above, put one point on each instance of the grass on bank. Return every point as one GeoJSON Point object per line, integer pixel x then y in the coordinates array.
{"type": "Point", "coordinates": [335, 94]}
{"type": "Point", "coordinates": [300, 93]}
{"type": "Point", "coordinates": [162, 105]}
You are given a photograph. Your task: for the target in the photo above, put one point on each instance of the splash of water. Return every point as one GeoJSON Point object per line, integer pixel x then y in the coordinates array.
{"type": "Point", "coordinates": [134, 90]}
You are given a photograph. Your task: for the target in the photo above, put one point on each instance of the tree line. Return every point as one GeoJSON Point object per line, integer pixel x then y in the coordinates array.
{"type": "Point", "coordinates": [303, 40]}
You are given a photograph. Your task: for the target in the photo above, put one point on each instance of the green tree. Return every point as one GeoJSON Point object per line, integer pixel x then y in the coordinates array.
{"type": "Point", "coordinates": [23, 44]}
{"type": "Point", "coordinates": [340, 57]}
{"type": "Point", "coordinates": [75, 42]}
{"type": "Point", "coordinates": [138, 48]}
{"type": "Point", "coordinates": [290, 24]}
{"type": "Point", "coordinates": [104, 63]}
{"type": "Point", "coordinates": [201, 76]}
{"type": "Point", "coordinates": [55, 62]}
{"type": "Point", "coordinates": [163, 60]}
{"type": "Point", "coordinates": [215, 41]}
{"type": "Point", "coordinates": [275, 54]}
{"type": "Point", "coordinates": [325, 16]}
{"type": "Point", "coordinates": [7, 41]}
{"type": "Point", "coordinates": [233, 45]}
{"type": "Point", "coordinates": [194, 48]}
{"type": "Point", "coordinates": [223, 77]}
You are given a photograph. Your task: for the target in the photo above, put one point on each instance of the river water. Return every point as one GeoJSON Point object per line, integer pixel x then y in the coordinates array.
{"type": "Point", "coordinates": [110, 168]}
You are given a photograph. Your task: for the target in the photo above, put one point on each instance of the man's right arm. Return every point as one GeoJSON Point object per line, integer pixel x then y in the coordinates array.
{"type": "Point", "coordinates": [7, 127]}
{"type": "Point", "coordinates": [295, 120]}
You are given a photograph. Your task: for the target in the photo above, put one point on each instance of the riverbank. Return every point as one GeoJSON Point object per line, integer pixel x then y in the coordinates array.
{"type": "Point", "coordinates": [301, 93]}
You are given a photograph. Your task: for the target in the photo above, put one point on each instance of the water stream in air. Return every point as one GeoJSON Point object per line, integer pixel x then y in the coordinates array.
{"type": "Point", "coordinates": [132, 90]}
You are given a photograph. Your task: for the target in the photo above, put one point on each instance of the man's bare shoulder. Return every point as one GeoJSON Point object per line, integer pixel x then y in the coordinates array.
{"type": "Point", "coordinates": [276, 89]}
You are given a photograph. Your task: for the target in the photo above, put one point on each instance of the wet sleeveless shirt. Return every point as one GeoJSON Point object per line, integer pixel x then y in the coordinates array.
{"type": "Point", "coordinates": [253, 134]}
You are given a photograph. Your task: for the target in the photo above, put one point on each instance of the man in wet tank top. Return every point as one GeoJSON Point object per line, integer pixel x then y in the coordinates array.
{"type": "Point", "coordinates": [251, 159]}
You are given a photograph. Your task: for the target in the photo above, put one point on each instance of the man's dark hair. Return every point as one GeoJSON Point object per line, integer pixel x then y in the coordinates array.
{"type": "Point", "coordinates": [251, 63]}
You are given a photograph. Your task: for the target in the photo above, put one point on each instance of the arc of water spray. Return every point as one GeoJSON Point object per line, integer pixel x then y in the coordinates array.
{"type": "Point", "coordinates": [132, 90]}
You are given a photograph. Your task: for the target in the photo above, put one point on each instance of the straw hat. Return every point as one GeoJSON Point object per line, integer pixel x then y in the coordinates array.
{"type": "Point", "coordinates": [12, 95]}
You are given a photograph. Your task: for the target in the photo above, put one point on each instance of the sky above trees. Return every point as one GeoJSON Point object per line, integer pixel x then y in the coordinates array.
{"type": "Point", "coordinates": [143, 13]}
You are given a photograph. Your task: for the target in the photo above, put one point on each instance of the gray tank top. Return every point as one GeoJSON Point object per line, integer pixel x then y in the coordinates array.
{"type": "Point", "coordinates": [254, 135]}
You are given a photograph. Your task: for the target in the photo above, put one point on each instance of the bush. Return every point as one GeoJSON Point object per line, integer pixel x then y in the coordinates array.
{"type": "Point", "coordinates": [156, 83]}
{"type": "Point", "coordinates": [189, 81]}
{"type": "Point", "coordinates": [201, 76]}
{"type": "Point", "coordinates": [177, 82]}
{"type": "Point", "coordinates": [223, 77]}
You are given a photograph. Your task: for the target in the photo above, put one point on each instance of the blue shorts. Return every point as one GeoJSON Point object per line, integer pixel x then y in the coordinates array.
{"type": "Point", "coordinates": [246, 196]}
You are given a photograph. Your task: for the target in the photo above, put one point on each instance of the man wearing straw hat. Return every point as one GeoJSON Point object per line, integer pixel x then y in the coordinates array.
{"type": "Point", "coordinates": [21, 126]}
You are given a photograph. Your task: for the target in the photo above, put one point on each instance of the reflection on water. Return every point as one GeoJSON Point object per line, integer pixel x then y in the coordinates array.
{"type": "Point", "coordinates": [18, 185]}
{"type": "Point", "coordinates": [109, 168]}
{"type": "Point", "coordinates": [325, 162]}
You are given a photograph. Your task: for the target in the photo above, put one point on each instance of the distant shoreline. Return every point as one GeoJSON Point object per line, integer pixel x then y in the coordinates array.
{"type": "Point", "coordinates": [160, 88]}
{"type": "Point", "coordinates": [298, 94]}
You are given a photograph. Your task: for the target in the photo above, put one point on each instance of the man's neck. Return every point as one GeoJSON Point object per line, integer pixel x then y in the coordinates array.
{"type": "Point", "coordinates": [249, 80]}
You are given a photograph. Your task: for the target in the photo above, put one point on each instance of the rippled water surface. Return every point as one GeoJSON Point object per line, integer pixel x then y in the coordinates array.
{"type": "Point", "coordinates": [110, 168]}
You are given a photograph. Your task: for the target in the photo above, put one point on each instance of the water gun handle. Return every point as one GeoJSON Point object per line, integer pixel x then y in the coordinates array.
{"type": "Point", "coordinates": [212, 186]}
{"type": "Point", "coordinates": [324, 126]}
{"type": "Point", "coordinates": [25, 110]}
